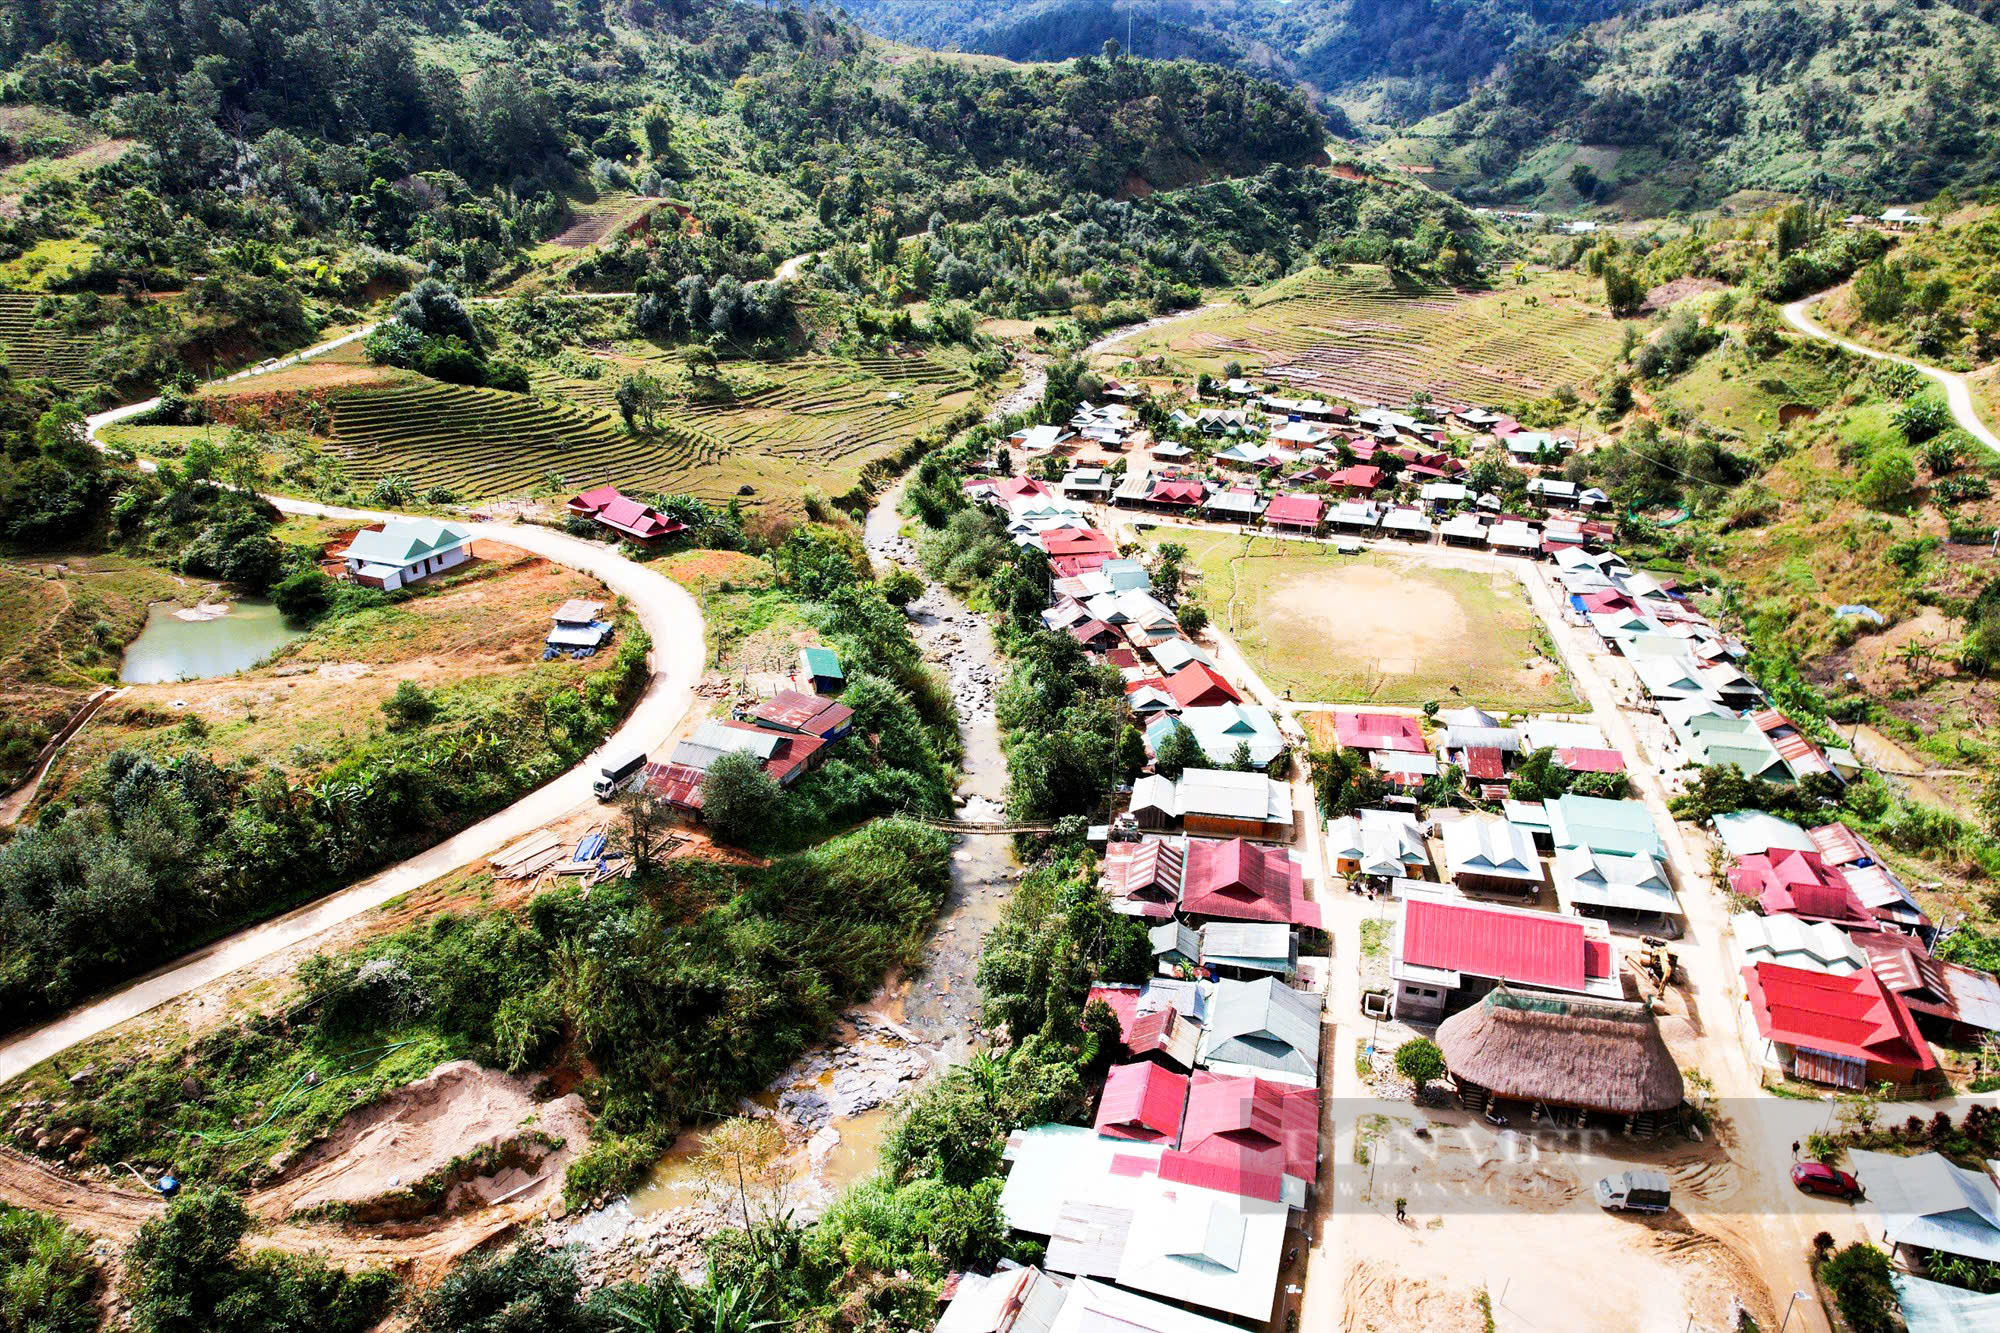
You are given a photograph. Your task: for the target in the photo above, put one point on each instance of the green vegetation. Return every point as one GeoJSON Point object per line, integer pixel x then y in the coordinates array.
{"type": "Point", "coordinates": [48, 1281]}
{"type": "Point", "coordinates": [1858, 1276]}
{"type": "Point", "coordinates": [186, 1273]}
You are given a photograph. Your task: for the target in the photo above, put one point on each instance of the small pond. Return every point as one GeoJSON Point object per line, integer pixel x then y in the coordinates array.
{"type": "Point", "coordinates": [172, 647]}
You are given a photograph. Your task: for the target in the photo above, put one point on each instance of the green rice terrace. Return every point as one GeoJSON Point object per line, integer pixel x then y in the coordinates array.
{"type": "Point", "coordinates": [34, 350]}
{"type": "Point", "coordinates": [810, 422]}
{"type": "Point", "coordinates": [1353, 333]}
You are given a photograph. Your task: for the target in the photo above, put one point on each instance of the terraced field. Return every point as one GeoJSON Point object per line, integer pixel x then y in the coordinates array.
{"type": "Point", "coordinates": [813, 421]}
{"type": "Point", "coordinates": [34, 350]}
{"type": "Point", "coordinates": [1352, 334]}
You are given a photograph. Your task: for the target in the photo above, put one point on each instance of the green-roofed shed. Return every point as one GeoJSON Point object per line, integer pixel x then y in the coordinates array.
{"type": "Point", "coordinates": [819, 669]}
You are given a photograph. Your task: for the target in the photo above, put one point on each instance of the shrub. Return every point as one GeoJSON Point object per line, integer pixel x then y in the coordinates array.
{"type": "Point", "coordinates": [1421, 1061]}
{"type": "Point", "coordinates": [303, 596]}
{"type": "Point", "coordinates": [410, 706]}
{"type": "Point", "coordinates": [1890, 476]}
{"type": "Point", "coordinates": [611, 1165]}
{"type": "Point", "coordinates": [1858, 1276]}
{"type": "Point", "coordinates": [739, 801]}
{"type": "Point", "coordinates": [48, 1282]}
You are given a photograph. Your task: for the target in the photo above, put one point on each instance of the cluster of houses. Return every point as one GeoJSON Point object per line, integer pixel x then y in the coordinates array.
{"type": "Point", "coordinates": [620, 514]}
{"type": "Point", "coordinates": [1689, 670]}
{"type": "Point", "coordinates": [789, 733]}
{"type": "Point", "coordinates": [1833, 955]}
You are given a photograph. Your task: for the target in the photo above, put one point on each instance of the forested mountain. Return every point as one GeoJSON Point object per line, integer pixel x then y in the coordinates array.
{"type": "Point", "coordinates": [1684, 101]}
{"type": "Point", "coordinates": [1379, 61]}
{"type": "Point", "coordinates": [281, 163]}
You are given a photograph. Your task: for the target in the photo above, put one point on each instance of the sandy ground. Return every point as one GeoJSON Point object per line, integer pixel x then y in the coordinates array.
{"type": "Point", "coordinates": [454, 1112]}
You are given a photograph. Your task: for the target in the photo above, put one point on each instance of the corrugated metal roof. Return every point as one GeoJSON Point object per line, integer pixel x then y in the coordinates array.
{"type": "Point", "coordinates": [1535, 949]}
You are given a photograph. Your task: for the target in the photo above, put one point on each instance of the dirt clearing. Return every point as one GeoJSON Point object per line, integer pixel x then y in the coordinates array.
{"type": "Point", "coordinates": [1382, 627]}
{"type": "Point", "coordinates": [458, 1138]}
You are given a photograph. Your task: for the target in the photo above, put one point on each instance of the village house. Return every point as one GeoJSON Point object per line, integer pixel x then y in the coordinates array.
{"type": "Point", "coordinates": [1143, 1103]}
{"type": "Point", "coordinates": [1240, 949]}
{"type": "Point", "coordinates": [1263, 1029]}
{"type": "Point", "coordinates": [1483, 854]}
{"type": "Point", "coordinates": [1144, 878]}
{"type": "Point", "coordinates": [1448, 953]}
{"type": "Point", "coordinates": [804, 714]}
{"type": "Point", "coordinates": [1842, 1031]}
{"type": "Point", "coordinates": [1297, 512]}
{"type": "Point", "coordinates": [1040, 439]}
{"type": "Point", "coordinates": [1235, 880]}
{"type": "Point", "coordinates": [629, 518]}
{"type": "Point", "coordinates": [1926, 1205]}
{"type": "Point", "coordinates": [820, 671]}
{"type": "Point", "coordinates": [1222, 729]}
{"type": "Point", "coordinates": [1384, 844]}
{"type": "Point", "coordinates": [1216, 802]}
{"type": "Point", "coordinates": [402, 551]}
{"type": "Point", "coordinates": [1789, 941]}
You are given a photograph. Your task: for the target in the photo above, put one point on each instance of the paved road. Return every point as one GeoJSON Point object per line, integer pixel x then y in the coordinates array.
{"type": "Point", "coordinates": [1957, 392]}
{"type": "Point", "coordinates": [669, 615]}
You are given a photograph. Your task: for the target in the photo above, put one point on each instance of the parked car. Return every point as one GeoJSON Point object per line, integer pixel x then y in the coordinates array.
{"type": "Point", "coordinates": [1819, 1178]}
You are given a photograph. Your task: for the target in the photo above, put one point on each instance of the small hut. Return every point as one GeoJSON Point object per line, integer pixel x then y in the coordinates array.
{"type": "Point", "coordinates": [1568, 1058]}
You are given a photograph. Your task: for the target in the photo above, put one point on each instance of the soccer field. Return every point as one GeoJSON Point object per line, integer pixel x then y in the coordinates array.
{"type": "Point", "coordinates": [1378, 627]}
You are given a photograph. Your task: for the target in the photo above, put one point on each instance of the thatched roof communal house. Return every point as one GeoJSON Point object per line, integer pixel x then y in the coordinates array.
{"type": "Point", "coordinates": [1566, 1057]}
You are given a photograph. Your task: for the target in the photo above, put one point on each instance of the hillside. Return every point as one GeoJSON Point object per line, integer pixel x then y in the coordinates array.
{"type": "Point", "coordinates": [1682, 105]}
{"type": "Point", "coordinates": [1374, 64]}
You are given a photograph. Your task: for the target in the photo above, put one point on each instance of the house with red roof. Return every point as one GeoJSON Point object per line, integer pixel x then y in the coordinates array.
{"type": "Point", "coordinates": [1846, 1032]}
{"type": "Point", "coordinates": [1356, 478]}
{"type": "Point", "coordinates": [1095, 634]}
{"type": "Point", "coordinates": [805, 714]}
{"type": "Point", "coordinates": [1004, 491]}
{"type": "Point", "coordinates": [1072, 542]}
{"type": "Point", "coordinates": [1447, 953]}
{"type": "Point", "coordinates": [623, 515]}
{"type": "Point", "coordinates": [1199, 685]}
{"type": "Point", "coordinates": [1578, 759]}
{"type": "Point", "coordinates": [1356, 730]}
{"type": "Point", "coordinates": [1295, 513]}
{"type": "Point", "coordinates": [1144, 878]}
{"type": "Point", "coordinates": [1254, 1132]}
{"type": "Point", "coordinates": [1142, 1102]}
{"type": "Point", "coordinates": [1234, 880]}
{"type": "Point", "coordinates": [1787, 882]}
{"type": "Point", "coordinates": [1177, 493]}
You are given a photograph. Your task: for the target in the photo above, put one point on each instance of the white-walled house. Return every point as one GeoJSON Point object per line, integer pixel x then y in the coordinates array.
{"type": "Point", "coordinates": [403, 551]}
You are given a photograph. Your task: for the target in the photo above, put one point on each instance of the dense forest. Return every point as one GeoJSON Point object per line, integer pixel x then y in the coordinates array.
{"type": "Point", "coordinates": [1387, 63]}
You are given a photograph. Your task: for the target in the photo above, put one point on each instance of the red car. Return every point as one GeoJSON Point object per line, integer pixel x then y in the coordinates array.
{"type": "Point", "coordinates": [1819, 1178]}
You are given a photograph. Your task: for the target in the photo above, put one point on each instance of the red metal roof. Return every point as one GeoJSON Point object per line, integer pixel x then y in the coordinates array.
{"type": "Point", "coordinates": [1009, 489]}
{"type": "Point", "coordinates": [1534, 949]}
{"type": "Point", "coordinates": [1069, 566]}
{"type": "Point", "coordinates": [795, 710]}
{"type": "Point", "coordinates": [1357, 477]}
{"type": "Point", "coordinates": [1794, 883]}
{"type": "Point", "coordinates": [676, 784]}
{"type": "Point", "coordinates": [1244, 1175]}
{"type": "Point", "coordinates": [1379, 731]}
{"type": "Point", "coordinates": [1161, 1031]}
{"type": "Point", "coordinates": [1091, 631]}
{"type": "Point", "coordinates": [1229, 1116]}
{"type": "Point", "coordinates": [593, 500]}
{"type": "Point", "coordinates": [1197, 684]}
{"type": "Point", "coordinates": [1855, 1016]}
{"type": "Point", "coordinates": [1485, 763]}
{"type": "Point", "coordinates": [792, 756]}
{"type": "Point", "coordinates": [1124, 1002]}
{"type": "Point", "coordinates": [1295, 511]}
{"type": "Point", "coordinates": [1578, 759]}
{"type": "Point", "coordinates": [1175, 493]}
{"type": "Point", "coordinates": [1147, 875]}
{"type": "Point", "coordinates": [1077, 541]}
{"type": "Point", "coordinates": [638, 520]}
{"type": "Point", "coordinates": [1245, 881]}
{"type": "Point", "coordinates": [1142, 1101]}
{"type": "Point", "coordinates": [1840, 845]}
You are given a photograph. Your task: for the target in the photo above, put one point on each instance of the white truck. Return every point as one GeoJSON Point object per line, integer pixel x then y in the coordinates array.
{"type": "Point", "coordinates": [1634, 1192]}
{"type": "Point", "coordinates": [620, 767]}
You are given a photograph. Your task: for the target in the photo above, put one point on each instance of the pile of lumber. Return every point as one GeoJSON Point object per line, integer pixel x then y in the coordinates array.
{"type": "Point", "coordinates": [529, 857]}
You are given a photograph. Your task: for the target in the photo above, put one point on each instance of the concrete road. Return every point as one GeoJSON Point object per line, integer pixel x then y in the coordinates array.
{"type": "Point", "coordinates": [1957, 393]}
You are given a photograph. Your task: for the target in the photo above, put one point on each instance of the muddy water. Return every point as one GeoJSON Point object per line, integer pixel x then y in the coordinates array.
{"type": "Point", "coordinates": [177, 644]}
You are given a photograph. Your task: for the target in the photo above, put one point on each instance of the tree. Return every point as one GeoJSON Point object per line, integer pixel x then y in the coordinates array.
{"type": "Point", "coordinates": [1890, 476]}
{"type": "Point", "coordinates": [48, 1280]}
{"type": "Point", "coordinates": [528, 1289]}
{"type": "Point", "coordinates": [739, 800]}
{"type": "Point", "coordinates": [1178, 750]}
{"type": "Point", "coordinates": [1421, 1061]}
{"type": "Point", "coordinates": [902, 587]}
{"type": "Point", "coordinates": [435, 310]}
{"type": "Point", "coordinates": [1240, 759]}
{"type": "Point", "coordinates": [410, 706]}
{"type": "Point", "coordinates": [640, 397]}
{"type": "Point", "coordinates": [1193, 619]}
{"type": "Point", "coordinates": [656, 127]}
{"type": "Point", "coordinates": [1167, 574]}
{"type": "Point", "coordinates": [1858, 1275]}
{"type": "Point", "coordinates": [303, 596]}
{"type": "Point", "coordinates": [742, 1161]}
{"type": "Point", "coordinates": [647, 822]}
{"type": "Point", "coordinates": [1623, 292]}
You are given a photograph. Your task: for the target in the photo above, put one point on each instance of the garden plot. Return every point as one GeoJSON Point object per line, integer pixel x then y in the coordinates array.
{"type": "Point", "coordinates": [34, 349]}
{"type": "Point", "coordinates": [1353, 334]}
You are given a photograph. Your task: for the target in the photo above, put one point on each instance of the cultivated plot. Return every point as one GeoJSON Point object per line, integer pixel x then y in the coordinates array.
{"type": "Point", "coordinates": [35, 348]}
{"type": "Point", "coordinates": [1380, 627]}
{"type": "Point", "coordinates": [1354, 333]}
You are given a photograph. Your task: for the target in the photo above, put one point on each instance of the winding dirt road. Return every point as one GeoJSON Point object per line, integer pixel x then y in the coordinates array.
{"type": "Point", "coordinates": [1957, 393]}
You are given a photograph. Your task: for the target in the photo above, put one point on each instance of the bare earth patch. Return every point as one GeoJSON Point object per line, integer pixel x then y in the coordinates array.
{"type": "Point", "coordinates": [461, 1137]}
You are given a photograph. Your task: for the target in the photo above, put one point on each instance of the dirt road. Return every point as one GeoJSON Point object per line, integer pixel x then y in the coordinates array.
{"type": "Point", "coordinates": [1957, 393]}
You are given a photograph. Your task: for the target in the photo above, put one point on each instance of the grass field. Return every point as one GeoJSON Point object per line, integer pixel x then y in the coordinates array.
{"type": "Point", "coordinates": [1351, 333]}
{"type": "Point", "coordinates": [34, 350]}
{"type": "Point", "coordinates": [1380, 628]}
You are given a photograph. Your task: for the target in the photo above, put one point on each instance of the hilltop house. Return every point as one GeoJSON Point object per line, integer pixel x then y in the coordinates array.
{"type": "Point", "coordinates": [403, 551]}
